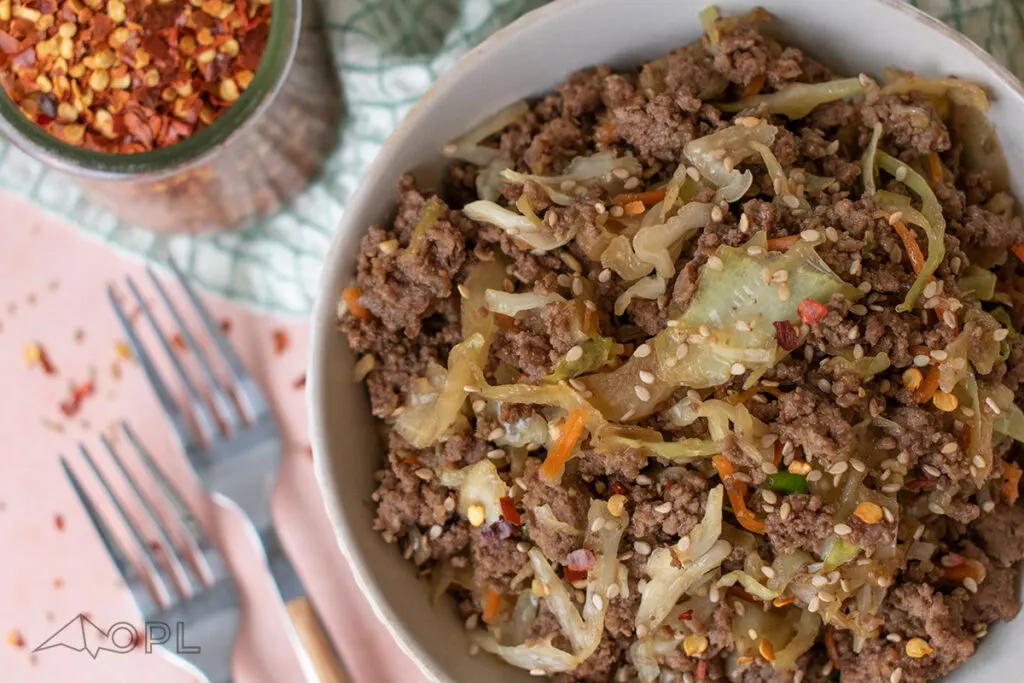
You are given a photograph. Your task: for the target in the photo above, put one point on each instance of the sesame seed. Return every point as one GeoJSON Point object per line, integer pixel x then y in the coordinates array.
{"type": "Point", "coordinates": [978, 461]}
{"type": "Point", "coordinates": [464, 291]}
{"type": "Point", "coordinates": [620, 173]}
{"type": "Point", "coordinates": [599, 207]}
{"type": "Point", "coordinates": [642, 393]}
{"type": "Point", "coordinates": [895, 217]}
{"type": "Point", "coordinates": [825, 596]}
{"type": "Point", "coordinates": [646, 377]}
{"type": "Point", "coordinates": [715, 263]}
{"type": "Point", "coordinates": [642, 547]}
{"type": "Point", "coordinates": [642, 351]}
{"type": "Point", "coordinates": [784, 510]}
{"type": "Point", "coordinates": [990, 402]}
{"type": "Point", "coordinates": [479, 405]}
{"type": "Point", "coordinates": [495, 454]}
{"type": "Point", "coordinates": [754, 251]}
{"type": "Point", "coordinates": [939, 355]}
{"type": "Point", "coordinates": [814, 475]}
{"type": "Point", "coordinates": [814, 604]}
{"type": "Point", "coordinates": [605, 275]}
{"type": "Point", "coordinates": [819, 581]}
{"type": "Point", "coordinates": [936, 508]}
{"type": "Point", "coordinates": [617, 211]}
{"type": "Point", "coordinates": [858, 465]}
{"type": "Point", "coordinates": [810, 235]}
{"type": "Point", "coordinates": [664, 508]}
{"type": "Point", "coordinates": [589, 305]}
{"type": "Point", "coordinates": [744, 223]}
{"type": "Point", "coordinates": [747, 121]}
{"type": "Point", "coordinates": [780, 276]}
{"type": "Point", "coordinates": [897, 675]}
{"type": "Point", "coordinates": [496, 434]}
{"type": "Point", "coordinates": [931, 470]}
{"type": "Point", "coordinates": [842, 529]}
{"type": "Point", "coordinates": [864, 79]}
{"type": "Point", "coordinates": [769, 496]}
{"type": "Point", "coordinates": [693, 173]}
{"type": "Point", "coordinates": [950, 447]}
{"type": "Point", "coordinates": [574, 354]}
{"type": "Point", "coordinates": [716, 214]}
{"type": "Point", "coordinates": [705, 331]}
{"type": "Point", "coordinates": [988, 506]}
{"type": "Point", "coordinates": [682, 350]}
{"type": "Point", "coordinates": [971, 585]}
{"type": "Point", "coordinates": [791, 201]}
{"type": "Point", "coordinates": [858, 351]}
{"type": "Point", "coordinates": [784, 292]}
{"type": "Point", "coordinates": [901, 173]}
{"type": "Point", "coordinates": [921, 360]}
{"type": "Point", "coordinates": [632, 184]}
{"type": "Point", "coordinates": [839, 467]}
{"type": "Point", "coordinates": [768, 572]}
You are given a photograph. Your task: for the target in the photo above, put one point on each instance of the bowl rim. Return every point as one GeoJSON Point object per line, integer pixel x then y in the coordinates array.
{"type": "Point", "coordinates": [366, 193]}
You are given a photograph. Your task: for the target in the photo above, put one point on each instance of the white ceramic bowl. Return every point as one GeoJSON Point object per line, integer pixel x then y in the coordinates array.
{"type": "Point", "coordinates": [528, 58]}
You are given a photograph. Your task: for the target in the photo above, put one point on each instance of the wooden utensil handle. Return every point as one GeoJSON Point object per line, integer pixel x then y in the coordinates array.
{"type": "Point", "coordinates": [313, 638]}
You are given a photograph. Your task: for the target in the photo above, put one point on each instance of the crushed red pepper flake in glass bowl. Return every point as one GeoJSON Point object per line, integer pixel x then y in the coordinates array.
{"type": "Point", "coordinates": [129, 77]}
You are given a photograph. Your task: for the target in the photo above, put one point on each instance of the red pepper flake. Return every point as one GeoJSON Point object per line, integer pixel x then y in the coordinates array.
{"type": "Point", "coordinates": [79, 393]}
{"type": "Point", "coordinates": [300, 382]}
{"type": "Point", "coordinates": [509, 512]}
{"type": "Point", "coordinates": [686, 616]}
{"type": "Point", "coordinates": [786, 335]}
{"type": "Point", "coordinates": [15, 639]}
{"type": "Point", "coordinates": [281, 341]}
{"type": "Point", "coordinates": [58, 522]}
{"type": "Point", "coordinates": [411, 460]}
{"type": "Point", "coordinates": [574, 575]}
{"type": "Point", "coordinates": [918, 484]}
{"type": "Point", "coordinates": [702, 670]}
{"type": "Point", "coordinates": [811, 311]}
{"type": "Point", "coordinates": [618, 487]}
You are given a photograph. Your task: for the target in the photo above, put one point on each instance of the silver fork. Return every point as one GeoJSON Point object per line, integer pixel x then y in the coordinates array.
{"type": "Point", "coordinates": [163, 590]}
{"type": "Point", "coordinates": [240, 464]}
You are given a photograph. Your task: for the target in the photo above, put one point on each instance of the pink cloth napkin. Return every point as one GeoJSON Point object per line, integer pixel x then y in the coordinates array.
{"type": "Point", "coordinates": [54, 566]}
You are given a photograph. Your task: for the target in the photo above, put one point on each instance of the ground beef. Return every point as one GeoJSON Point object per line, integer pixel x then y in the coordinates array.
{"type": "Point", "coordinates": [812, 415]}
{"type": "Point", "coordinates": [569, 503]}
{"type": "Point", "coordinates": [808, 523]}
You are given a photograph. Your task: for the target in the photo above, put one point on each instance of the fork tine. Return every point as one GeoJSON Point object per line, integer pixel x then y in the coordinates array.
{"type": "Point", "coordinates": [167, 402]}
{"type": "Point", "coordinates": [202, 415]}
{"type": "Point", "coordinates": [194, 538]}
{"type": "Point", "coordinates": [163, 536]}
{"type": "Point", "coordinates": [247, 389]}
{"type": "Point", "coordinates": [223, 406]}
{"type": "Point", "coordinates": [147, 557]}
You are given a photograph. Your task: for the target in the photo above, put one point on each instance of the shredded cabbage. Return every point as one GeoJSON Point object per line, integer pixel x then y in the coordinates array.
{"type": "Point", "coordinates": [652, 242]}
{"type": "Point", "coordinates": [468, 147]}
{"type": "Point", "coordinates": [488, 179]}
{"type": "Point", "coordinates": [597, 169]}
{"type": "Point", "coordinates": [620, 257]}
{"type": "Point", "coordinates": [481, 485]}
{"type": "Point", "coordinates": [432, 210]}
{"type": "Point", "coordinates": [598, 351]}
{"type": "Point", "coordinates": [869, 164]}
{"type": "Point", "coordinates": [864, 368]}
{"type": "Point", "coordinates": [708, 155]}
{"type": "Point", "coordinates": [615, 437]}
{"type": "Point", "coordinates": [516, 225]}
{"type": "Point", "coordinates": [935, 227]}
{"type": "Point", "coordinates": [807, 628]}
{"type": "Point", "coordinates": [979, 282]}
{"type": "Point", "coordinates": [964, 93]}
{"type": "Point", "coordinates": [682, 355]}
{"type": "Point", "coordinates": [646, 288]}
{"type": "Point", "coordinates": [786, 568]}
{"type": "Point", "coordinates": [546, 517]}
{"type": "Point", "coordinates": [557, 395]}
{"type": "Point", "coordinates": [510, 304]}
{"type": "Point", "coordinates": [675, 570]}
{"type": "Point", "coordinates": [798, 100]}
{"type": "Point", "coordinates": [1011, 424]}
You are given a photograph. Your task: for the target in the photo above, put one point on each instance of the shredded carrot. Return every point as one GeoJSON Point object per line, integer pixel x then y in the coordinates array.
{"type": "Point", "coordinates": [782, 243]}
{"type": "Point", "coordinates": [745, 396]}
{"type": "Point", "coordinates": [491, 606]}
{"type": "Point", "coordinates": [928, 386]}
{"type": "Point", "coordinates": [1018, 251]}
{"type": "Point", "coordinates": [971, 569]}
{"type": "Point", "coordinates": [736, 491]}
{"type": "Point", "coordinates": [754, 87]}
{"type": "Point", "coordinates": [554, 464]}
{"type": "Point", "coordinates": [935, 168]}
{"type": "Point", "coordinates": [910, 242]}
{"type": "Point", "coordinates": [778, 453]}
{"type": "Point", "coordinates": [649, 197]}
{"type": "Point", "coordinates": [634, 208]}
{"type": "Point", "coordinates": [505, 322]}
{"type": "Point", "coordinates": [351, 297]}
{"type": "Point", "coordinates": [830, 647]}
{"type": "Point", "coordinates": [782, 602]}
{"type": "Point", "coordinates": [509, 511]}
{"type": "Point", "coordinates": [1011, 482]}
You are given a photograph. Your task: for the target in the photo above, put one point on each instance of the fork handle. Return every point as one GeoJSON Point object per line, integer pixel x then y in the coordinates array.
{"type": "Point", "coordinates": [313, 638]}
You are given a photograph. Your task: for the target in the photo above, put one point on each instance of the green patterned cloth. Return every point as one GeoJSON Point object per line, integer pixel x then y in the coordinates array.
{"type": "Point", "coordinates": [388, 52]}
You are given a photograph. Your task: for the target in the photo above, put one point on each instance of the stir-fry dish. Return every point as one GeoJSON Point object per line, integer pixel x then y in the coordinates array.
{"type": "Point", "coordinates": [706, 371]}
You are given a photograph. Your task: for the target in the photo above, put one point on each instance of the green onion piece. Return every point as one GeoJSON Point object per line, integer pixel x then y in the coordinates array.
{"type": "Point", "coordinates": [784, 482]}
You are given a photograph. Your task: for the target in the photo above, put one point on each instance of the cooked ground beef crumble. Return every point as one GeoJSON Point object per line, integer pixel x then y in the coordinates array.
{"type": "Point", "coordinates": [952, 535]}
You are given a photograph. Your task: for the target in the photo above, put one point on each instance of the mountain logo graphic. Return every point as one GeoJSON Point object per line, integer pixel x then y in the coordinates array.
{"type": "Point", "coordinates": [80, 634]}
